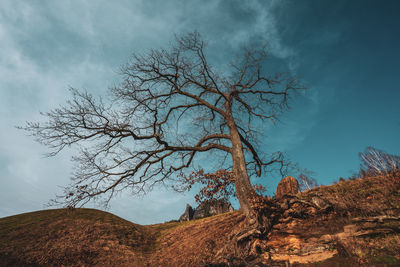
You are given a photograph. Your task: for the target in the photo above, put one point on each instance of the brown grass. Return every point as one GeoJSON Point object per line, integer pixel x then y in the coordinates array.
{"type": "Point", "coordinates": [195, 243]}
{"type": "Point", "coordinates": [87, 237]}
{"type": "Point", "coordinates": [70, 238]}
{"type": "Point", "coordinates": [365, 197]}
{"type": "Point", "coordinates": [368, 196]}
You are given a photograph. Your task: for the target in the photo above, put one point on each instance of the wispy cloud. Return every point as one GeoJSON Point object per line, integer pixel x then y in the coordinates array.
{"type": "Point", "coordinates": [48, 46]}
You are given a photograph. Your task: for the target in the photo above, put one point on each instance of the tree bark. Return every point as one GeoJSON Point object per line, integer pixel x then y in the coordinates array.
{"type": "Point", "coordinates": [244, 190]}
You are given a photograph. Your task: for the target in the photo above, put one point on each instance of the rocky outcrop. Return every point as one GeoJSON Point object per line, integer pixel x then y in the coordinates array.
{"type": "Point", "coordinates": [206, 209]}
{"type": "Point", "coordinates": [188, 214]}
{"type": "Point", "coordinates": [305, 241]}
{"type": "Point", "coordinates": [210, 208]}
{"type": "Point", "coordinates": [287, 186]}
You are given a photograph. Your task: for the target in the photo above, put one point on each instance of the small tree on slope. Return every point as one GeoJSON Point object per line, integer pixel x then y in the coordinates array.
{"type": "Point", "coordinates": [171, 106]}
{"type": "Point", "coordinates": [375, 162]}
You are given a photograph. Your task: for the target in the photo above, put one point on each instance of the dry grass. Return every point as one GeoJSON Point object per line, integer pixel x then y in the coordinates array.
{"type": "Point", "coordinates": [70, 238]}
{"type": "Point", "coordinates": [195, 243]}
{"type": "Point", "coordinates": [362, 198]}
{"type": "Point", "coordinates": [368, 196]}
{"type": "Point", "coordinates": [87, 237]}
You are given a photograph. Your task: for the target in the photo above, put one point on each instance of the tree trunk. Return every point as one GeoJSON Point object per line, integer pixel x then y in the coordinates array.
{"type": "Point", "coordinates": [259, 224]}
{"type": "Point", "coordinates": [243, 187]}
{"type": "Point", "coordinates": [244, 190]}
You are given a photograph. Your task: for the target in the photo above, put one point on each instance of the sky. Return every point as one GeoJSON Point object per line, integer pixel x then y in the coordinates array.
{"type": "Point", "coordinates": [346, 52]}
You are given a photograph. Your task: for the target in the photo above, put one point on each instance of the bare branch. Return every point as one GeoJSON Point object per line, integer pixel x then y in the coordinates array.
{"type": "Point", "coordinates": [171, 106]}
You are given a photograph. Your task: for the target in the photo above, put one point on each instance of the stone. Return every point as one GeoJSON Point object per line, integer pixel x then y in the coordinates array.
{"type": "Point", "coordinates": [284, 205]}
{"type": "Point", "coordinates": [188, 214]}
{"type": "Point", "coordinates": [206, 209]}
{"type": "Point", "coordinates": [287, 186]}
{"type": "Point", "coordinates": [211, 208]}
{"type": "Point", "coordinates": [320, 203]}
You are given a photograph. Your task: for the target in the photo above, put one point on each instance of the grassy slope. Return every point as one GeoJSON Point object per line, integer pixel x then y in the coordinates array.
{"type": "Point", "coordinates": [78, 237]}
{"type": "Point", "coordinates": [194, 243]}
{"type": "Point", "coordinates": [93, 237]}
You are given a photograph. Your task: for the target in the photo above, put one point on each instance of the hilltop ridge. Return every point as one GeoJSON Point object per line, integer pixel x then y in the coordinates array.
{"type": "Point", "coordinates": [353, 222]}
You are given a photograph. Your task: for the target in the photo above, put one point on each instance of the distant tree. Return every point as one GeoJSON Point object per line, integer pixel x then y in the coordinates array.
{"type": "Point", "coordinates": [171, 106]}
{"type": "Point", "coordinates": [306, 182]}
{"type": "Point", "coordinates": [375, 161]}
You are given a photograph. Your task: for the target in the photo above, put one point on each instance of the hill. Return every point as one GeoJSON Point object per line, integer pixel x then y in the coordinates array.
{"type": "Point", "coordinates": [353, 222]}
{"type": "Point", "coordinates": [71, 237]}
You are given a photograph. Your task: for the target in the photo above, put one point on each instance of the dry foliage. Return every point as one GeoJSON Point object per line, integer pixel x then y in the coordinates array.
{"type": "Point", "coordinates": [214, 186]}
{"type": "Point", "coordinates": [367, 196]}
{"type": "Point", "coordinates": [218, 185]}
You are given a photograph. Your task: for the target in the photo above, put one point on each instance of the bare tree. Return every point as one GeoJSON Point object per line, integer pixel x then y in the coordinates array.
{"type": "Point", "coordinates": [171, 106]}
{"type": "Point", "coordinates": [375, 161]}
{"type": "Point", "coordinates": [306, 182]}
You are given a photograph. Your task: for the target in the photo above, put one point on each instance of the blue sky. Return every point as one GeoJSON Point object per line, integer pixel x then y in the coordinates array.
{"type": "Point", "coordinates": [346, 52]}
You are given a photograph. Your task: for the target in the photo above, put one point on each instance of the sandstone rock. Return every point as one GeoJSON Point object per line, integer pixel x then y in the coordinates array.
{"type": "Point", "coordinates": [379, 219]}
{"type": "Point", "coordinates": [210, 208]}
{"type": "Point", "coordinates": [284, 205]}
{"type": "Point", "coordinates": [206, 209]}
{"type": "Point", "coordinates": [188, 214]}
{"type": "Point", "coordinates": [287, 186]}
{"type": "Point", "coordinates": [320, 203]}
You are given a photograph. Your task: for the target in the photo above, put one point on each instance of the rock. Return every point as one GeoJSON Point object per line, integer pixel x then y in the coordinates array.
{"type": "Point", "coordinates": [188, 214]}
{"type": "Point", "coordinates": [374, 232]}
{"type": "Point", "coordinates": [257, 247]}
{"type": "Point", "coordinates": [213, 207]}
{"type": "Point", "coordinates": [287, 186]}
{"type": "Point", "coordinates": [379, 219]}
{"type": "Point", "coordinates": [206, 209]}
{"type": "Point", "coordinates": [320, 203]}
